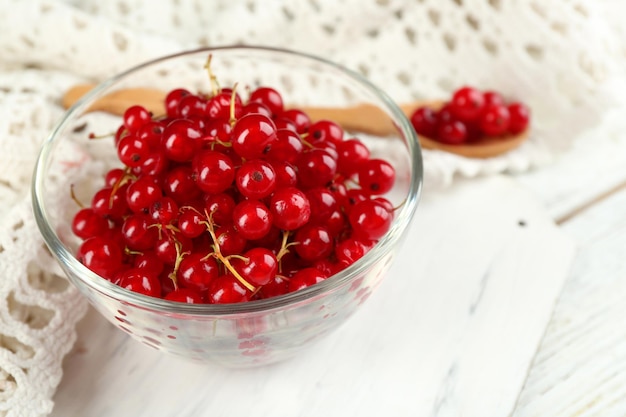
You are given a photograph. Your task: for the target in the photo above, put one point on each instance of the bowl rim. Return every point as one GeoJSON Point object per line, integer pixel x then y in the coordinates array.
{"type": "Point", "coordinates": [83, 276]}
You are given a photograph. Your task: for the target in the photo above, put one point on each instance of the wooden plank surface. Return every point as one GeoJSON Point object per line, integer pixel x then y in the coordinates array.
{"type": "Point", "coordinates": [450, 332]}
{"type": "Point", "coordinates": [580, 369]}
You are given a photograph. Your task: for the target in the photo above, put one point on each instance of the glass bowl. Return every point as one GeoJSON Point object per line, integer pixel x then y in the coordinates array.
{"type": "Point", "coordinates": [71, 167]}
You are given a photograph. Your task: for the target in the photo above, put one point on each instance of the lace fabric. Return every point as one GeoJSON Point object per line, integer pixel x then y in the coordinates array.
{"type": "Point", "coordinates": [562, 59]}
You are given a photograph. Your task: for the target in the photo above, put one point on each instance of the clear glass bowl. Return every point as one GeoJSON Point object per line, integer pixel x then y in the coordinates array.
{"type": "Point", "coordinates": [236, 335]}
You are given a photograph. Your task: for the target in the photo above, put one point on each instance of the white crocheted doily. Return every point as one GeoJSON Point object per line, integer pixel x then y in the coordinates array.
{"type": "Point", "coordinates": [561, 57]}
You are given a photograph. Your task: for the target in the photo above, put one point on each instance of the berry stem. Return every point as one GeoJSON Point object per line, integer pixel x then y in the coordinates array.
{"type": "Point", "coordinates": [233, 96]}
{"type": "Point", "coordinates": [215, 88]}
{"type": "Point", "coordinates": [222, 258]}
{"type": "Point", "coordinates": [179, 259]}
{"type": "Point", "coordinates": [73, 196]}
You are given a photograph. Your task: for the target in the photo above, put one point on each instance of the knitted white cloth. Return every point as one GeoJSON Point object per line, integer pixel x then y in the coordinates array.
{"type": "Point", "coordinates": [562, 59]}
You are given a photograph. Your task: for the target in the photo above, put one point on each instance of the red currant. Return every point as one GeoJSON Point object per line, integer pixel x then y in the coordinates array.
{"type": "Point", "coordinates": [519, 117]}
{"type": "Point", "coordinates": [467, 104]}
{"type": "Point", "coordinates": [290, 208]}
{"type": "Point", "coordinates": [494, 121]}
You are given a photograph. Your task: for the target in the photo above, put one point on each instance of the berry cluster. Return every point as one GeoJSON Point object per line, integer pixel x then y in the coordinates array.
{"type": "Point", "coordinates": [223, 200]}
{"type": "Point", "coordinates": [469, 116]}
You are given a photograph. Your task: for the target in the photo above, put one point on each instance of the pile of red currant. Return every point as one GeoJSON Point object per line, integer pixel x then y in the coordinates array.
{"type": "Point", "coordinates": [469, 116]}
{"type": "Point", "coordinates": [222, 200]}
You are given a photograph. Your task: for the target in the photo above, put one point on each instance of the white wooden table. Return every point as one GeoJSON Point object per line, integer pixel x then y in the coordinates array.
{"type": "Point", "coordinates": [508, 299]}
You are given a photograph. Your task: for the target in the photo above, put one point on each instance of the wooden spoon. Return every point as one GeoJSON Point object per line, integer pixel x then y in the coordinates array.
{"type": "Point", "coordinates": [364, 118]}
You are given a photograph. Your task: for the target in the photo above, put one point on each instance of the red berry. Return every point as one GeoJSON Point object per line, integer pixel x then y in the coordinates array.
{"type": "Point", "coordinates": [213, 171]}
{"type": "Point", "coordinates": [349, 251]}
{"type": "Point", "coordinates": [325, 131]}
{"type": "Point", "coordinates": [287, 147]}
{"type": "Point", "coordinates": [315, 167]}
{"type": "Point", "coordinates": [191, 105]}
{"type": "Point", "coordinates": [467, 104]}
{"type": "Point", "coordinates": [452, 133]}
{"type": "Point", "coordinates": [252, 219]}
{"type": "Point", "coordinates": [191, 223]}
{"type": "Point", "coordinates": [370, 219]}
{"type": "Point", "coordinates": [226, 289]}
{"type": "Point", "coordinates": [132, 151]}
{"type": "Point", "coordinates": [180, 186]}
{"type": "Point", "coordinates": [260, 267]}
{"type": "Point", "coordinates": [141, 282]}
{"type": "Point", "coordinates": [138, 232]}
{"type": "Point", "coordinates": [135, 117]}
{"type": "Point", "coordinates": [253, 136]}
{"type": "Point", "coordinates": [494, 121]}
{"type": "Point", "coordinates": [220, 208]}
{"type": "Point", "coordinates": [101, 254]}
{"type": "Point", "coordinates": [149, 262]}
{"type": "Point", "coordinates": [181, 140]}
{"type": "Point", "coordinates": [142, 194]}
{"type": "Point", "coordinates": [519, 117]}
{"type": "Point", "coordinates": [424, 121]}
{"type": "Point", "coordinates": [313, 243]}
{"type": "Point", "coordinates": [376, 176]}
{"type": "Point", "coordinates": [275, 287]}
{"type": "Point", "coordinates": [351, 155]}
{"type": "Point", "coordinates": [290, 208]}
{"type": "Point", "coordinates": [323, 203]}
{"type": "Point", "coordinates": [229, 240]}
{"type": "Point", "coordinates": [269, 97]}
{"type": "Point", "coordinates": [300, 119]}
{"type": "Point", "coordinates": [172, 99]}
{"type": "Point", "coordinates": [196, 271]}
{"type": "Point", "coordinates": [255, 179]}
{"type": "Point", "coordinates": [305, 278]}
{"type": "Point", "coordinates": [88, 224]}
{"type": "Point", "coordinates": [185, 295]}
{"type": "Point", "coordinates": [218, 106]}
{"type": "Point", "coordinates": [493, 98]}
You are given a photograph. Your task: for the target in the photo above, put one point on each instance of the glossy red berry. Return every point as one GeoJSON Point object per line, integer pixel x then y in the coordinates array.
{"type": "Point", "coordinates": [467, 104]}
{"type": "Point", "coordinates": [313, 243]}
{"type": "Point", "coordinates": [196, 271]}
{"type": "Point", "coordinates": [256, 179]}
{"type": "Point", "coordinates": [226, 289]}
{"type": "Point", "coordinates": [142, 194]}
{"type": "Point", "coordinates": [325, 131]}
{"type": "Point", "coordinates": [269, 97]}
{"type": "Point", "coordinates": [376, 176]}
{"type": "Point", "coordinates": [424, 121]}
{"type": "Point", "coordinates": [88, 224]}
{"type": "Point", "coordinates": [101, 254]}
{"type": "Point", "coordinates": [181, 140]}
{"type": "Point", "coordinates": [213, 171]}
{"type": "Point", "coordinates": [252, 219]}
{"type": "Point", "coordinates": [185, 295]}
{"type": "Point", "coordinates": [494, 121]}
{"type": "Point", "coordinates": [305, 278]}
{"type": "Point", "coordinates": [173, 99]}
{"type": "Point", "coordinates": [519, 117]}
{"type": "Point", "coordinates": [253, 136]}
{"type": "Point", "coordinates": [135, 117]}
{"type": "Point", "coordinates": [259, 267]}
{"type": "Point", "coordinates": [493, 98]}
{"type": "Point", "coordinates": [139, 232]}
{"type": "Point", "coordinates": [180, 185]}
{"type": "Point", "coordinates": [290, 208]}
{"type": "Point", "coordinates": [453, 132]}
{"type": "Point", "coordinates": [315, 168]}
{"type": "Point", "coordinates": [351, 155]}
{"type": "Point", "coordinates": [370, 219]}
{"type": "Point", "coordinates": [141, 282]}
{"type": "Point", "coordinates": [301, 120]}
